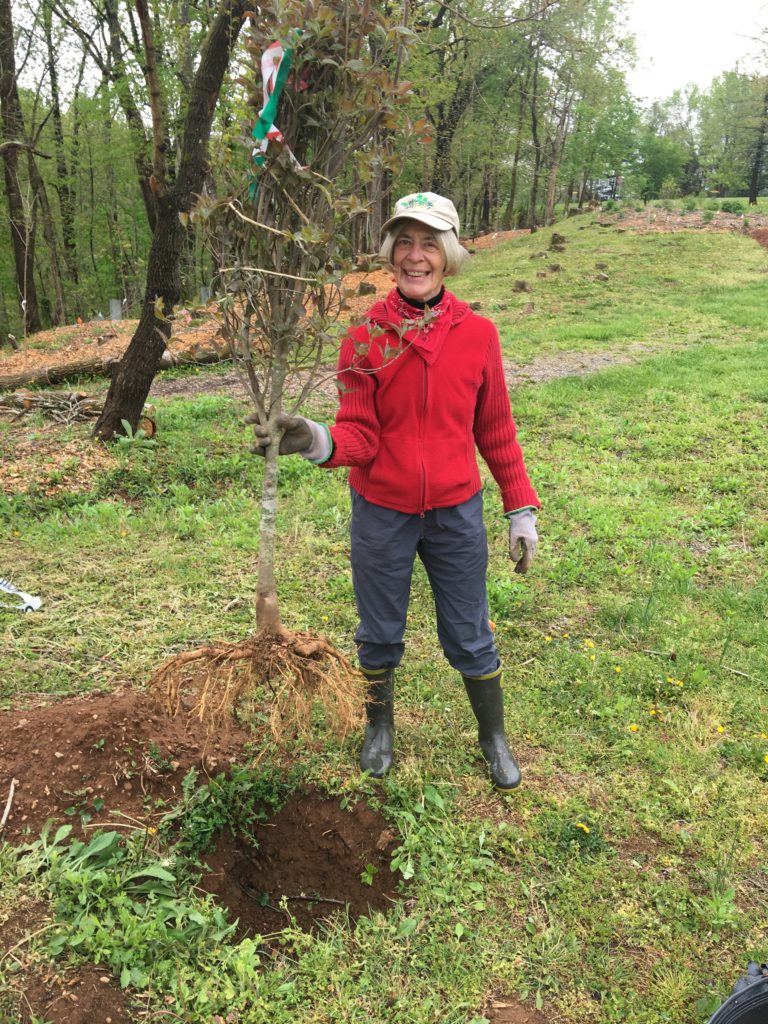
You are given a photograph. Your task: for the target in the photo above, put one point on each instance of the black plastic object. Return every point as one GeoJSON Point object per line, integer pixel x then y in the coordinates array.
{"type": "Point", "coordinates": [748, 1003]}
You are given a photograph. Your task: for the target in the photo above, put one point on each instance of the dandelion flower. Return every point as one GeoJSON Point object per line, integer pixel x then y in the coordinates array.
{"type": "Point", "coordinates": [547, 639]}
{"type": "Point", "coordinates": [584, 828]}
{"type": "Point", "coordinates": [617, 668]}
{"type": "Point", "coordinates": [589, 644]}
{"type": "Point", "coordinates": [721, 728]}
{"type": "Point", "coordinates": [633, 727]}
{"type": "Point", "coordinates": [766, 758]}
{"type": "Point", "coordinates": [592, 657]}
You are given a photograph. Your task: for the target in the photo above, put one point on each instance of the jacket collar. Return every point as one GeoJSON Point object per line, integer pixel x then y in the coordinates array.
{"type": "Point", "coordinates": [426, 329]}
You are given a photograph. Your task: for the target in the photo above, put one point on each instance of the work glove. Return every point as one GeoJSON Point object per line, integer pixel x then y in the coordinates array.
{"type": "Point", "coordinates": [300, 437]}
{"type": "Point", "coordinates": [523, 539]}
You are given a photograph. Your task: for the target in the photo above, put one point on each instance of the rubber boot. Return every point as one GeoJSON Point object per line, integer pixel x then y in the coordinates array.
{"type": "Point", "coordinates": [487, 700]}
{"type": "Point", "coordinates": [378, 742]}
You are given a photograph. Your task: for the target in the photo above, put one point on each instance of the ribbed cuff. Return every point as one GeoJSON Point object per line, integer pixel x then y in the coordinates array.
{"type": "Point", "coordinates": [515, 511]}
{"type": "Point", "coordinates": [321, 448]}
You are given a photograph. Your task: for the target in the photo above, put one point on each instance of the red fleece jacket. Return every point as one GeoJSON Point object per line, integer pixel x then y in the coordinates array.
{"type": "Point", "coordinates": [412, 413]}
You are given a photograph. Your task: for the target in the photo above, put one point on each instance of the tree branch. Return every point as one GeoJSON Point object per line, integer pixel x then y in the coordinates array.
{"type": "Point", "coordinates": [29, 146]}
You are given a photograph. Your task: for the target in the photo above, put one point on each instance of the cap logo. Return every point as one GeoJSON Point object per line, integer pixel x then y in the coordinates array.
{"type": "Point", "coordinates": [420, 200]}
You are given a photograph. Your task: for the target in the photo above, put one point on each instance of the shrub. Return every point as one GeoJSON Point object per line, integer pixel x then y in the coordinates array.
{"type": "Point", "coordinates": [707, 216]}
{"type": "Point", "coordinates": [732, 206]}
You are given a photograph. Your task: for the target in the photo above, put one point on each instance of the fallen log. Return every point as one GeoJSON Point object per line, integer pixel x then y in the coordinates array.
{"type": "Point", "coordinates": [102, 367]}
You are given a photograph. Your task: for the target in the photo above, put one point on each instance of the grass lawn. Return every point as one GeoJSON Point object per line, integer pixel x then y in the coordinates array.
{"type": "Point", "coordinates": [627, 880]}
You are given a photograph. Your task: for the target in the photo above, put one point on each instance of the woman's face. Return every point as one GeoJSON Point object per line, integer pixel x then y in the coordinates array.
{"type": "Point", "coordinates": [418, 262]}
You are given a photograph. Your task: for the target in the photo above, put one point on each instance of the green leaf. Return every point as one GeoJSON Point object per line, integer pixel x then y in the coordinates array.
{"type": "Point", "coordinates": [104, 842]}
{"type": "Point", "coordinates": [61, 834]}
{"type": "Point", "coordinates": [432, 796]}
{"type": "Point", "coordinates": [406, 927]}
{"type": "Point", "coordinates": [152, 871]}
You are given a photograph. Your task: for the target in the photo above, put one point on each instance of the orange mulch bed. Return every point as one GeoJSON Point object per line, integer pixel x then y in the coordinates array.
{"type": "Point", "coordinates": [108, 339]}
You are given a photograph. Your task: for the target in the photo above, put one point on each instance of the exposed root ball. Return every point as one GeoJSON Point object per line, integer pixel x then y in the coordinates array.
{"type": "Point", "coordinates": [296, 671]}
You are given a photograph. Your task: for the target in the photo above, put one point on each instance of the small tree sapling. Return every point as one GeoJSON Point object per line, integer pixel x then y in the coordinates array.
{"type": "Point", "coordinates": [280, 241]}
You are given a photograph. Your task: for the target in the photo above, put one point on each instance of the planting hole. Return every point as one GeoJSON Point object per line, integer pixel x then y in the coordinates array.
{"type": "Point", "coordinates": [312, 859]}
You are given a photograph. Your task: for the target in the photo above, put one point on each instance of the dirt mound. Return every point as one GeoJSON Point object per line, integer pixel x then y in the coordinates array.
{"type": "Point", "coordinates": [760, 235]}
{"type": "Point", "coordinates": [80, 759]}
{"type": "Point", "coordinates": [117, 760]}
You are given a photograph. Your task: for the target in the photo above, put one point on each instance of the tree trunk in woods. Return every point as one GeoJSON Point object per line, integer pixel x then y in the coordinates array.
{"type": "Point", "coordinates": [63, 188]}
{"type": "Point", "coordinates": [758, 156]}
{"type": "Point", "coordinates": [445, 129]}
{"type": "Point", "coordinates": [534, 193]}
{"type": "Point", "coordinates": [558, 146]}
{"type": "Point", "coordinates": [485, 202]}
{"type": "Point", "coordinates": [130, 385]}
{"type": "Point", "coordinates": [40, 193]}
{"type": "Point", "coordinates": [21, 220]}
{"type": "Point", "coordinates": [508, 220]}
{"type": "Point", "coordinates": [119, 78]}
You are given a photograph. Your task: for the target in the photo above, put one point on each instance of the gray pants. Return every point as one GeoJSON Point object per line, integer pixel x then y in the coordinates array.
{"type": "Point", "coordinates": [451, 543]}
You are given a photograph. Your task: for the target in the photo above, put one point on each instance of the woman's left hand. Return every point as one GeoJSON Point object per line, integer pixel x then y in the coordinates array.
{"type": "Point", "coordinates": [523, 539]}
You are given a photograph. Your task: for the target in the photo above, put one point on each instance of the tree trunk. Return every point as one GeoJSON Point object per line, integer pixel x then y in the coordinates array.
{"type": "Point", "coordinates": [63, 189]}
{"type": "Point", "coordinates": [445, 129]}
{"type": "Point", "coordinates": [131, 384]}
{"type": "Point", "coordinates": [758, 155]}
{"type": "Point", "coordinates": [534, 194]}
{"type": "Point", "coordinates": [558, 145]}
{"type": "Point", "coordinates": [59, 311]}
{"type": "Point", "coordinates": [267, 604]}
{"type": "Point", "coordinates": [485, 203]}
{"type": "Point", "coordinates": [119, 77]}
{"type": "Point", "coordinates": [508, 218]}
{"type": "Point", "coordinates": [20, 219]}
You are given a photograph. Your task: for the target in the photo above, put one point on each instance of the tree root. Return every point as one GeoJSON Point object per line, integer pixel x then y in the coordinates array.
{"type": "Point", "coordinates": [296, 672]}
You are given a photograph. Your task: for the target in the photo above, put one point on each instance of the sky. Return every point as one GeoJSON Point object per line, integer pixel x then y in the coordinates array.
{"type": "Point", "coordinates": [679, 42]}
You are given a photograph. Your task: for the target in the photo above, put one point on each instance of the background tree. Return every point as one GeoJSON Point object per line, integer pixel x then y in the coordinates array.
{"type": "Point", "coordinates": [14, 145]}
{"type": "Point", "coordinates": [174, 198]}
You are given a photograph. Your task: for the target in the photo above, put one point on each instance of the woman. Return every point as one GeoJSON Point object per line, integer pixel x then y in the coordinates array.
{"type": "Point", "coordinates": [422, 386]}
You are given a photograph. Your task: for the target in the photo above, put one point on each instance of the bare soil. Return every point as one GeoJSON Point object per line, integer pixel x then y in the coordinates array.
{"type": "Point", "coordinates": [109, 760]}
{"type": "Point", "coordinates": [308, 864]}
{"type": "Point", "coordinates": [509, 1010]}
